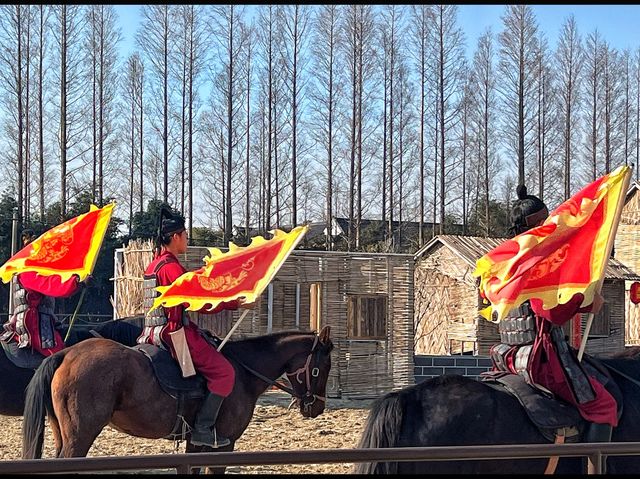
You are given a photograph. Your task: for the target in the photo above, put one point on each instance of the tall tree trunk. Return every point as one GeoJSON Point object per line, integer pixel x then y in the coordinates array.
{"type": "Point", "coordinates": [247, 165]}
{"type": "Point", "coordinates": [352, 142]}
{"type": "Point", "coordinates": [40, 113]}
{"type": "Point", "coordinates": [63, 114]}
{"type": "Point", "coordinates": [165, 119]}
{"type": "Point", "coordinates": [101, 113]}
{"type": "Point", "coordinates": [228, 219]}
{"type": "Point", "coordinates": [141, 96]}
{"type": "Point", "coordinates": [294, 106]}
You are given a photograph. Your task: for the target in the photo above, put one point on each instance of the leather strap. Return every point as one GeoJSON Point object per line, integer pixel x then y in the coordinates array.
{"type": "Point", "coordinates": [553, 460]}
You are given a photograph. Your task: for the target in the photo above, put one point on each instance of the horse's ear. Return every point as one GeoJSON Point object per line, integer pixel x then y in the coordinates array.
{"type": "Point", "coordinates": [324, 334]}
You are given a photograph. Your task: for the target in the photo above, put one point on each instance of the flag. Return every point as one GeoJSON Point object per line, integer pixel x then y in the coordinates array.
{"type": "Point", "coordinates": [564, 256]}
{"type": "Point", "coordinates": [67, 249]}
{"type": "Point", "coordinates": [242, 271]}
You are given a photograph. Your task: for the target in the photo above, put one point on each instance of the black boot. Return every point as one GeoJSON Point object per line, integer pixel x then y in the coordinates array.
{"type": "Point", "coordinates": [598, 433]}
{"type": "Point", "coordinates": [204, 431]}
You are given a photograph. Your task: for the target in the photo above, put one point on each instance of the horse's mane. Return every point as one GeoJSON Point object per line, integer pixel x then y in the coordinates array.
{"type": "Point", "coordinates": [265, 342]}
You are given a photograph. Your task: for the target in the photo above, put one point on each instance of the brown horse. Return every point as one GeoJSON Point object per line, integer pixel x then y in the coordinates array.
{"type": "Point", "coordinates": [99, 382]}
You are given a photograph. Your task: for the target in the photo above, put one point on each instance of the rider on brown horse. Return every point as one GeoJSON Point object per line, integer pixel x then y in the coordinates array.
{"type": "Point", "coordinates": [34, 322]}
{"type": "Point", "coordinates": [161, 322]}
{"type": "Point", "coordinates": [533, 343]}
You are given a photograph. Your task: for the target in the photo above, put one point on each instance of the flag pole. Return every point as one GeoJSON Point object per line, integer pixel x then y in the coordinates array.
{"type": "Point", "coordinates": [235, 326]}
{"type": "Point", "coordinates": [610, 242]}
{"type": "Point", "coordinates": [75, 313]}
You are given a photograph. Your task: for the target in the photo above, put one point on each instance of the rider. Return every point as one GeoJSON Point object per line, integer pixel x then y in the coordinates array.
{"type": "Point", "coordinates": [216, 369]}
{"type": "Point", "coordinates": [533, 343]}
{"type": "Point", "coordinates": [34, 322]}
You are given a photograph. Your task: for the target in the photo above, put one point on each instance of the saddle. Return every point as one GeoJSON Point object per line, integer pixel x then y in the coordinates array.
{"type": "Point", "coordinates": [169, 375]}
{"type": "Point", "coordinates": [549, 414]}
{"type": "Point", "coordinates": [25, 358]}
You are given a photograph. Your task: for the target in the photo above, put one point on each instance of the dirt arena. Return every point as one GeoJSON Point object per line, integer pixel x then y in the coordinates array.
{"type": "Point", "coordinates": [272, 428]}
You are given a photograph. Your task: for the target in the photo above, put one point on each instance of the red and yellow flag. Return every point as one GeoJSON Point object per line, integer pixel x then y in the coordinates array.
{"type": "Point", "coordinates": [242, 271]}
{"type": "Point", "coordinates": [67, 249]}
{"type": "Point", "coordinates": [564, 256]}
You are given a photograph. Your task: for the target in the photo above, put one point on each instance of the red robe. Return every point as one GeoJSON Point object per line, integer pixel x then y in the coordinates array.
{"type": "Point", "coordinates": [36, 287]}
{"type": "Point", "coordinates": [218, 372]}
{"type": "Point", "coordinates": [546, 370]}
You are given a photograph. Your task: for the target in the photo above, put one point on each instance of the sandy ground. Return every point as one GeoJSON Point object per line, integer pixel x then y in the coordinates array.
{"type": "Point", "coordinates": [272, 428]}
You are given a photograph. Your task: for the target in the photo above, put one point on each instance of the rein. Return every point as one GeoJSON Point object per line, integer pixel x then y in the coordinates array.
{"type": "Point", "coordinates": [309, 374]}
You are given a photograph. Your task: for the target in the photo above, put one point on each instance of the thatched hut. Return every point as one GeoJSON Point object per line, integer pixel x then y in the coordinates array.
{"type": "Point", "coordinates": [447, 298]}
{"type": "Point", "coordinates": [627, 250]}
{"type": "Point", "coordinates": [366, 298]}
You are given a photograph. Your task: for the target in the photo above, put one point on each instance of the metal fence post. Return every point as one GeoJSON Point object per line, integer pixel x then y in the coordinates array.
{"type": "Point", "coordinates": [594, 465]}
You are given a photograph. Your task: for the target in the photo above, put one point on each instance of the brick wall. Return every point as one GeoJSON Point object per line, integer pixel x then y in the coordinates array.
{"type": "Point", "coordinates": [425, 367]}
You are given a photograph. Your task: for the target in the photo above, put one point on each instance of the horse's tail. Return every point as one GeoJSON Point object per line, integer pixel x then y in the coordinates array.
{"type": "Point", "coordinates": [382, 430]}
{"type": "Point", "coordinates": [37, 400]}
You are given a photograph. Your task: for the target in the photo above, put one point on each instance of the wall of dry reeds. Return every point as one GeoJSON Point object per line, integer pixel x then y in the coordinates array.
{"type": "Point", "coordinates": [362, 368]}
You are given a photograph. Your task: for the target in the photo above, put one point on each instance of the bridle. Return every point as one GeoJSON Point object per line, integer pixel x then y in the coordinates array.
{"type": "Point", "coordinates": [311, 375]}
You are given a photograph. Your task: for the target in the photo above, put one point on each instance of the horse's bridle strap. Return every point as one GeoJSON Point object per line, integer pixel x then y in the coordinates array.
{"type": "Point", "coordinates": [295, 373]}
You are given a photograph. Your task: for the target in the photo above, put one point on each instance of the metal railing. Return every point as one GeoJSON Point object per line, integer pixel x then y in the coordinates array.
{"type": "Point", "coordinates": [183, 463]}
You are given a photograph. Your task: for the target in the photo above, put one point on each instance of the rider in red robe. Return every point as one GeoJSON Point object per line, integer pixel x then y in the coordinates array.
{"type": "Point", "coordinates": [34, 322]}
{"type": "Point", "coordinates": [159, 323]}
{"type": "Point", "coordinates": [551, 362]}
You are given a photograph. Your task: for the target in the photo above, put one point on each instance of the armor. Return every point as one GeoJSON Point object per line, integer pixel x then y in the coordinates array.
{"type": "Point", "coordinates": [46, 313]}
{"type": "Point", "coordinates": [519, 327]}
{"type": "Point", "coordinates": [156, 319]}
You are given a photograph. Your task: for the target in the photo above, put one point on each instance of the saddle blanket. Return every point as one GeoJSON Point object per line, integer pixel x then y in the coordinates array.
{"type": "Point", "coordinates": [169, 374]}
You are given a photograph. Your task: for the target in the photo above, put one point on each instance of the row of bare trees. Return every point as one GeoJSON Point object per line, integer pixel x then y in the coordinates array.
{"type": "Point", "coordinates": [267, 116]}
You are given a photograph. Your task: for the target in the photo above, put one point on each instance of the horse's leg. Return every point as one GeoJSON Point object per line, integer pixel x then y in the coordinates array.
{"type": "Point", "coordinates": [81, 414]}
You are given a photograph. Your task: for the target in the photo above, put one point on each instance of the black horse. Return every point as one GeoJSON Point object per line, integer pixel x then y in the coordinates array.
{"type": "Point", "coordinates": [14, 379]}
{"type": "Point", "coordinates": [458, 411]}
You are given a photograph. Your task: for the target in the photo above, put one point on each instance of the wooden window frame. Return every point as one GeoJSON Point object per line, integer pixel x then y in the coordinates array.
{"type": "Point", "coordinates": [601, 325]}
{"type": "Point", "coordinates": [354, 303]}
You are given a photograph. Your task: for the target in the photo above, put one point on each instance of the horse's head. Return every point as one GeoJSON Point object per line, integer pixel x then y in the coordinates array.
{"type": "Point", "coordinates": [308, 374]}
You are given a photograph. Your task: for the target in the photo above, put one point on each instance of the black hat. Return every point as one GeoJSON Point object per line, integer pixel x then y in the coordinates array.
{"type": "Point", "coordinates": [27, 232]}
{"type": "Point", "coordinates": [173, 224]}
{"type": "Point", "coordinates": [527, 211]}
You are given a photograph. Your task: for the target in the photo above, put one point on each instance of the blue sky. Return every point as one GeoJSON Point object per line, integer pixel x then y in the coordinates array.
{"type": "Point", "coordinates": [618, 24]}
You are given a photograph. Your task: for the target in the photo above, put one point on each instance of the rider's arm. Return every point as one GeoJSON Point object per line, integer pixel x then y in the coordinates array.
{"type": "Point", "coordinates": [49, 285]}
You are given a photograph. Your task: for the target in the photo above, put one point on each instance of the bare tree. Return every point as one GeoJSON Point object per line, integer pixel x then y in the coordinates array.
{"type": "Point", "coordinates": [133, 95]}
{"type": "Point", "coordinates": [569, 60]}
{"type": "Point", "coordinates": [12, 58]}
{"type": "Point", "coordinates": [517, 59]}
{"type": "Point", "coordinates": [156, 38]}
{"type": "Point", "coordinates": [43, 15]}
{"type": "Point", "coordinates": [592, 73]}
{"type": "Point", "coordinates": [296, 27]}
{"type": "Point", "coordinates": [188, 65]}
{"type": "Point", "coordinates": [422, 19]}
{"type": "Point", "coordinates": [69, 31]}
{"type": "Point", "coordinates": [232, 39]}
{"type": "Point", "coordinates": [103, 40]}
{"type": "Point", "coordinates": [485, 89]}
{"type": "Point", "coordinates": [449, 43]}
{"type": "Point", "coordinates": [324, 97]}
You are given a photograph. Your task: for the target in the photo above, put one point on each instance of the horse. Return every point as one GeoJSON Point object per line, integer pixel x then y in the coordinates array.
{"type": "Point", "coordinates": [98, 382]}
{"type": "Point", "coordinates": [453, 410]}
{"type": "Point", "coordinates": [14, 379]}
